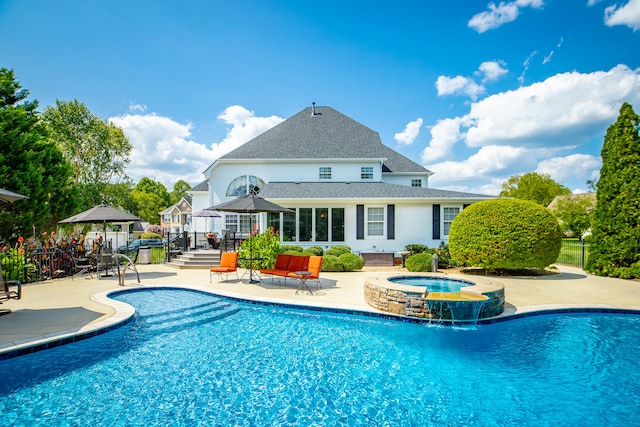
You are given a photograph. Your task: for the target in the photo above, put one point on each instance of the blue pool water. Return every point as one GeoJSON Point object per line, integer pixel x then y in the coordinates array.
{"type": "Point", "coordinates": [194, 359]}
{"type": "Point", "coordinates": [433, 284]}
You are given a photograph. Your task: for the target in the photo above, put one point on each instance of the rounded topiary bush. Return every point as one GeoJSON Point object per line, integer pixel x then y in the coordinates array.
{"type": "Point", "coordinates": [351, 262]}
{"type": "Point", "coordinates": [316, 250]}
{"type": "Point", "coordinates": [338, 250]}
{"type": "Point", "coordinates": [291, 248]}
{"type": "Point", "coordinates": [331, 263]}
{"type": "Point", "coordinates": [419, 262]}
{"type": "Point", "coordinates": [505, 234]}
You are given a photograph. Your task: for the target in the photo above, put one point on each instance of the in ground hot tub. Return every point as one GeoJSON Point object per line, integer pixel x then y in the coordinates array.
{"type": "Point", "coordinates": [435, 297]}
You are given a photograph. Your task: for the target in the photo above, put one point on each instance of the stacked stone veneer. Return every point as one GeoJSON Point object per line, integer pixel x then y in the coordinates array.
{"type": "Point", "coordinates": [399, 299]}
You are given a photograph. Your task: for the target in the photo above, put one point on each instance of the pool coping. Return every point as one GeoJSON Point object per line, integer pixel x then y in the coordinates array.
{"type": "Point", "coordinates": [124, 314]}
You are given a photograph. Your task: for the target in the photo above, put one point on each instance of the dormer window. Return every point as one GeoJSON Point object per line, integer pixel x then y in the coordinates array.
{"type": "Point", "coordinates": [366, 172]}
{"type": "Point", "coordinates": [416, 182]}
{"type": "Point", "coordinates": [324, 173]}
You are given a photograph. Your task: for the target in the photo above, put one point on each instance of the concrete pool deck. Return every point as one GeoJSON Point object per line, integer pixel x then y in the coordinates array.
{"type": "Point", "coordinates": [56, 309]}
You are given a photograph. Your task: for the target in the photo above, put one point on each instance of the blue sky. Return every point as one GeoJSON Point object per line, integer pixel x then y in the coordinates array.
{"type": "Point", "coordinates": [475, 91]}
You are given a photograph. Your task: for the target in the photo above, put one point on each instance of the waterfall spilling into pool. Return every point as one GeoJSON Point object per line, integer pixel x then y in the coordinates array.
{"type": "Point", "coordinates": [440, 299]}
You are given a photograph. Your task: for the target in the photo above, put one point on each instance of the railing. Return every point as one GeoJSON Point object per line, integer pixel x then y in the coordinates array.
{"type": "Point", "coordinates": [574, 252]}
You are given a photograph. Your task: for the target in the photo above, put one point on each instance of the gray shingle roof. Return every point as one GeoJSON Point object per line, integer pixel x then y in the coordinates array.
{"type": "Point", "coordinates": [203, 186]}
{"type": "Point", "coordinates": [358, 190]}
{"type": "Point", "coordinates": [326, 135]}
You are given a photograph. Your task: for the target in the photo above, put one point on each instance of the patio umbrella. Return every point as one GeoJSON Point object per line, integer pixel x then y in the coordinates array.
{"type": "Point", "coordinates": [7, 196]}
{"type": "Point", "coordinates": [206, 214]}
{"type": "Point", "coordinates": [100, 214]}
{"type": "Point", "coordinates": [250, 204]}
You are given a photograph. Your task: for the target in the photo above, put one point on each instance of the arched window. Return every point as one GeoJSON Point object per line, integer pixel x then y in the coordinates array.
{"type": "Point", "coordinates": [244, 185]}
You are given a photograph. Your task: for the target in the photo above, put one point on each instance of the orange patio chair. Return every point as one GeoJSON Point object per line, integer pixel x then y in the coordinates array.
{"type": "Point", "coordinates": [314, 266]}
{"type": "Point", "coordinates": [228, 264]}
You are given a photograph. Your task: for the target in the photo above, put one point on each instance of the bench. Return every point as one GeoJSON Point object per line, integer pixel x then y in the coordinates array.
{"type": "Point", "coordinates": [287, 265]}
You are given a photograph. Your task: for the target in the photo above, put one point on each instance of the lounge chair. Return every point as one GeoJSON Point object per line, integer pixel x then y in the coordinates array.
{"type": "Point", "coordinates": [228, 264]}
{"type": "Point", "coordinates": [82, 266]}
{"type": "Point", "coordinates": [10, 289]}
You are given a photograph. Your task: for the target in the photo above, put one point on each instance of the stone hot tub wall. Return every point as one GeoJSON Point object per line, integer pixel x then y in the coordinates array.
{"type": "Point", "coordinates": [412, 301]}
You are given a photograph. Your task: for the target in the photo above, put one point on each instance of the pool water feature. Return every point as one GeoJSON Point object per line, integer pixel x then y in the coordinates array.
{"type": "Point", "coordinates": [194, 359]}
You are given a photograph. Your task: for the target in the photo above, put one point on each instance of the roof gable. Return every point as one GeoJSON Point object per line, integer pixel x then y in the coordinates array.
{"type": "Point", "coordinates": [327, 134]}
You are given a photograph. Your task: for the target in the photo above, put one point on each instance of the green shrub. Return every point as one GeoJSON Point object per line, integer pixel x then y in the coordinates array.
{"type": "Point", "coordinates": [419, 262]}
{"type": "Point", "coordinates": [351, 262]}
{"type": "Point", "coordinates": [444, 257]}
{"type": "Point", "coordinates": [291, 248]}
{"type": "Point", "coordinates": [331, 263]}
{"type": "Point", "coordinates": [338, 250]}
{"type": "Point", "coordinates": [264, 245]}
{"type": "Point", "coordinates": [416, 248]}
{"type": "Point", "coordinates": [505, 234]}
{"type": "Point", "coordinates": [315, 250]}
{"type": "Point", "coordinates": [149, 235]}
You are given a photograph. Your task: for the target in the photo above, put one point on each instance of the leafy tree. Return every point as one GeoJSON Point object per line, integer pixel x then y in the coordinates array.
{"type": "Point", "coordinates": [180, 189]}
{"type": "Point", "coordinates": [507, 234]}
{"type": "Point", "coordinates": [30, 165]}
{"type": "Point", "coordinates": [150, 198]}
{"type": "Point", "coordinates": [534, 186]}
{"type": "Point", "coordinates": [615, 241]}
{"type": "Point", "coordinates": [97, 150]}
{"type": "Point", "coordinates": [574, 213]}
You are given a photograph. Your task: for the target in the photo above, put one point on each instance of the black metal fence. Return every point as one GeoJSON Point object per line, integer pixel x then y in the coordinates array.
{"type": "Point", "coordinates": [574, 252]}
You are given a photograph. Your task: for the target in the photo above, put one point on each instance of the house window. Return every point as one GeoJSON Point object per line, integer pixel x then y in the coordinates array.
{"type": "Point", "coordinates": [337, 224]}
{"type": "Point", "coordinates": [322, 225]}
{"type": "Point", "coordinates": [448, 215]}
{"type": "Point", "coordinates": [375, 222]}
{"type": "Point", "coordinates": [416, 182]}
{"type": "Point", "coordinates": [166, 218]}
{"type": "Point", "coordinates": [310, 224]}
{"type": "Point", "coordinates": [325, 173]}
{"type": "Point", "coordinates": [366, 172]}
{"type": "Point", "coordinates": [240, 223]}
{"type": "Point", "coordinates": [305, 224]}
{"type": "Point", "coordinates": [245, 184]}
{"type": "Point", "coordinates": [175, 218]}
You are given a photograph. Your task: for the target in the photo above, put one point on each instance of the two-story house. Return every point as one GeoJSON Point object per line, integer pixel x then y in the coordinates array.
{"type": "Point", "coordinates": [343, 186]}
{"type": "Point", "coordinates": [177, 218]}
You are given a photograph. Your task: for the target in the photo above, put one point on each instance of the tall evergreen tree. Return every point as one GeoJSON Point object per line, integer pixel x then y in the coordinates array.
{"type": "Point", "coordinates": [615, 244]}
{"type": "Point", "coordinates": [30, 165]}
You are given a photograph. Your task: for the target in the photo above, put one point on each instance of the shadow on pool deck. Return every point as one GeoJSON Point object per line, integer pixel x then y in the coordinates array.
{"type": "Point", "coordinates": [65, 305]}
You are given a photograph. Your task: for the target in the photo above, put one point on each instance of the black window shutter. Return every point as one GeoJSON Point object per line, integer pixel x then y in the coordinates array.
{"type": "Point", "coordinates": [436, 222]}
{"type": "Point", "coordinates": [391, 222]}
{"type": "Point", "coordinates": [360, 222]}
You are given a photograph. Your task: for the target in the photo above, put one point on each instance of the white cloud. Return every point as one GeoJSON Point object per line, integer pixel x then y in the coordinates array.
{"type": "Point", "coordinates": [492, 70]}
{"type": "Point", "coordinates": [556, 111]}
{"type": "Point", "coordinates": [458, 86]}
{"type": "Point", "coordinates": [410, 132]}
{"type": "Point", "coordinates": [245, 126]}
{"type": "Point", "coordinates": [516, 129]}
{"type": "Point", "coordinates": [574, 166]}
{"type": "Point", "coordinates": [137, 108]}
{"type": "Point", "coordinates": [444, 136]}
{"type": "Point", "coordinates": [500, 14]}
{"type": "Point", "coordinates": [628, 14]}
{"type": "Point", "coordinates": [163, 151]}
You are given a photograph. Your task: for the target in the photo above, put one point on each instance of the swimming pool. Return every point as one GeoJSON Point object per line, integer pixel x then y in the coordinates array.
{"type": "Point", "coordinates": [194, 359]}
